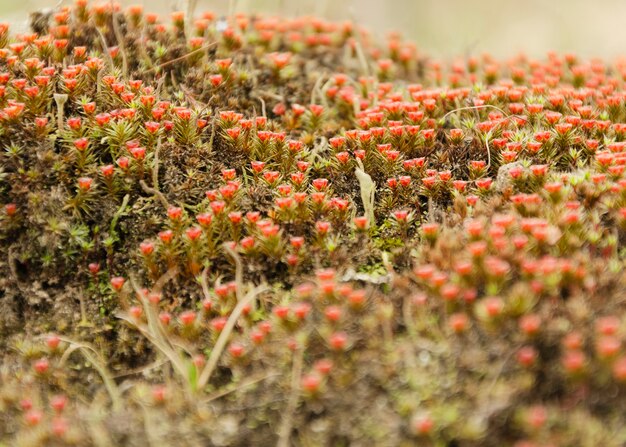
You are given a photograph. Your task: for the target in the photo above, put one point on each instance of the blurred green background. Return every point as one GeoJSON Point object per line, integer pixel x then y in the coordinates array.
{"type": "Point", "coordinates": [439, 27]}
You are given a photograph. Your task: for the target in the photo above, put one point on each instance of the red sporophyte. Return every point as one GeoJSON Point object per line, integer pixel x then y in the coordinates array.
{"type": "Point", "coordinates": [328, 288]}
{"type": "Point", "coordinates": [174, 213]}
{"type": "Point", "coordinates": [316, 109]}
{"type": "Point", "coordinates": [264, 135]}
{"type": "Point", "coordinates": [333, 313]}
{"type": "Point", "coordinates": [183, 113]}
{"type": "Point", "coordinates": [271, 177]}
{"type": "Point", "coordinates": [297, 178]}
{"type": "Point", "coordinates": [536, 416]}
{"type": "Point", "coordinates": [306, 290]}
{"type": "Point", "coordinates": [279, 60]}
{"type": "Point", "coordinates": [424, 272]}
{"type": "Point", "coordinates": [458, 322]}
{"type": "Point", "coordinates": [236, 349]}
{"type": "Point", "coordinates": [323, 366]}
{"type": "Point", "coordinates": [573, 361]}
{"type": "Point", "coordinates": [53, 341]}
{"type": "Point", "coordinates": [223, 64]}
{"type": "Point", "coordinates": [257, 336]}
{"type": "Point", "coordinates": [311, 383]}
{"type": "Point", "coordinates": [295, 146]}
{"type": "Point", "coordinates": [166, 236]}
{"type": "Point", "coordinates": [138, 153]}
{"type": "Point", "coordinates": [427, 134]}
{"type": "Point", "coordinates": [135, 10]}
{"type": "Point", "coordinates": [338, 341]}
{"type": "Point", "coordinates": [19, 84]}
{"type": "Point", "coordinates": [301, 310]}
{"type": "Point", "coordinates": [152, 126]}
{"type": "Point", "coordinates": [41, 366]}
{"type": "Point", "coordinates": [282, 312]}
{"type": "Point", "coordinates": [463, 268]}
{"type": "Point", "coordinates": [404, 180]}
{"type": "Point", "coordinates": [608, 325]}
{"type": "Point", "coordinates": [530, 324]}
{"type": "Point", "coordinates": [234, 132]}
{"type": "Point", "coordinates": [257, 166]}
{"type": "Point", "coordinates": [178, 18]}
{"type": "Point", "coordinates": [608, 346]}
{"type": "Point", "coordinates": [10, 209]}
{"type": "Point", "coordinates": [222, 291]}
{"type": "Point", "coordinates": [496, 233]}
{"type": "Point", "coordinates": [269, 230]}
{"type": "Point", "coordinates": [146, 248]}
{"type": "Point", "coordinates": [198, 360]}
{"type": "Point", "coordinates": [320, 184]}
{"type": "Point", "coordinates": [154, 298]}
{"type": "Point", "coordinates": [123, 163]}
{"type": "Point", "coordinates": [450, 292]}
{"type": "Point", "coordinates": [247, 243]}
{"type": "Point", "coordinates": [158, 113]}
{"type": "Point", "coordinates": [496, 267]}
{"type": "Point", "coordinates": [41, 122]}
{"type": "Point", "coordinates": [356, 298]}
{"type": "Point", "coordinates": [102, 119]}
{"type": "Point", "coordinates": [526, 356]}
{"type": "Point", "coordinates": [342, 157]}
{"type": "Point", "coordinates": [89, 107]}
{"type": "Point", "coordinates": [297, 242]}
{"type": "Point", "coordinates": [94, 268]}
{"type": "Point", "coordinates": [165, 318]}
{"type": "Point", "coordinates": [337, 142]}
{"type": "Point", "coordinates": [74, 123]}
{"type": "Point", "coordinates": [253, 216]}
{"type": "Point", "coordinates": [438, 279]}
{"type": "Point", "coordinates": [84, 183]}
{"type": "Point", "coordinates": [459, 185]}
{"type": "Point", "coordinates": [401, 215]}
{"type": "Point", "coordinates": [32, 92]}
{"type": "Point", "coordinates": [361, 223]}
{"type": "Point", "coordinates": [216, 80]}
{"type": "Point", "coordinates": [260, 122]}
{"type": "Point", "coordinates": [322, 227]}
{"type": "Point", "coordinates": [193, 233]}
{"type": "Point", "coordinates": [493, 306]}
{"type": "Point", "coordinates": [159, 393]}
{"type": "Point", "coordinates": [217, 206]}
{"type": "Point", "coordinates": [619, 369]}
{"type": "Point", "coordinates": [423, 425]}
{"type": "Point", "coordinates": [456, 135]}
{"type": "Point", "coordinates": [26, 404]}
{"type": "Point", "coordinates": [58, 403]}
{"type": "Point", "coordinates": [475, 228]}
{"type": "Point", "coordinates": [284, 190]}
{"type": "Point", "coordinates": [484, 183]}
{"type": "Point", "coordinates": [430, 230]}
{"type": "Point", "coordinates": [392, 155]}
{"type": "Point", "coordinates": [188, 318]}
{"type": "Point", "coordinates": [33, 417]}
{"type": "Point", "coordinates": [117, 283]}
{"type": "Point", "coordinates": [429, 182]}
{"type": "Point", "coordinates": [539, 170]}
{"type": "Point", "coordinates": [135, 312]}
{"type": "Point", "coordinates": [472, 200]}
{"type": "Point", "coordinates": [235, 217]}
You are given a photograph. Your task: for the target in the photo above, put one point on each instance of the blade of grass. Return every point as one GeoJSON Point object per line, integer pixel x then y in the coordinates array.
{"type": "Point", "coordinates": [93, 357]}
{"type": "Point", "coordinates": [217, 350]}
